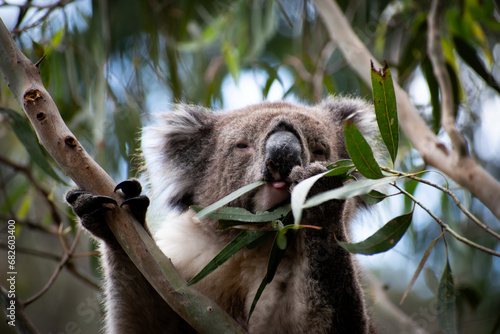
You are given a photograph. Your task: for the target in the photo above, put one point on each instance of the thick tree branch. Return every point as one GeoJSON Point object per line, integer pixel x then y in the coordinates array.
{"type": "Point", "coordinates": [24, 81]}
{"type": "Point", "coordinates": [436, 56]}
{"type": "Point", "coordinates": [466, 171]}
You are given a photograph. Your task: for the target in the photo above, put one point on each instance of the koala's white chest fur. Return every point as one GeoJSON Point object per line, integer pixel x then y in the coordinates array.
{"type": "Point", "coordinates": [234, 284]}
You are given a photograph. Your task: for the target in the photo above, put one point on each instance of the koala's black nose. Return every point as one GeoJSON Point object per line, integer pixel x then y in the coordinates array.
{"type": "Point", "coordinates": [283, 152]}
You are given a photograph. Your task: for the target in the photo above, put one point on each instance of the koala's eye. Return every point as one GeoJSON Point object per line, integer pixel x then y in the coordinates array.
{"type": "Point", "coordinates": [241, 146]}
{"type": "Point", "coordinates": [319, 153]}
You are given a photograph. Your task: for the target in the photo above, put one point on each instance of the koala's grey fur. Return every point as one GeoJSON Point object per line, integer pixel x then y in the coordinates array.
{"type": "Point", "coordinates": [196, 156]}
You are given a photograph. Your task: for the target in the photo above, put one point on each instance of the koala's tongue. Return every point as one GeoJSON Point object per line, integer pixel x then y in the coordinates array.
{"type": "Point", "coordinates": [278, 184]}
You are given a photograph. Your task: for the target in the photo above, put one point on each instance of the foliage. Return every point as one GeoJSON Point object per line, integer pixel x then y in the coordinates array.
{"type": "Point", "coordinates": [107, 76]}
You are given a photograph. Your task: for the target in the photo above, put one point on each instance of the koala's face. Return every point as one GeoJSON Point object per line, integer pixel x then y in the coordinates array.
{"type": "Point", "coordinates": [204, 156]}
{"type": "Point", "coordinates": [264, 143]}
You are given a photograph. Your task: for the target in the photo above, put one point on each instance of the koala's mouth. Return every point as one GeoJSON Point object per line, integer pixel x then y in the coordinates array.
{"type": "Point", "coordinates": [280, 185]}
{"type": "Point", "coordinates": [271, 194]}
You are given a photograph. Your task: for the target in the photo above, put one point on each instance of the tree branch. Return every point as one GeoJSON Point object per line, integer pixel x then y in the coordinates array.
{"type": "Point", "coordinates": [62, 263]}
{"type": "Point", "coordinates": [446, 227]}
{"type": "Point", "coordinates": [435, 52]}
{"type": "Point", "coordinates": [24, 81]}
{"type": "Point", "coordinates": [466, 171]}
{"type": "Point", "coordinates": [453, 196]}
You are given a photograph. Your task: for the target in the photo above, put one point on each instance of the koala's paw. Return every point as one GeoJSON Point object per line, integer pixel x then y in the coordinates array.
{"type": "Point", "coordinates": [91, 209]}
{"type": "Point", "coordinates": [137, 203]}
{"type": "Point", "coordinates": [299, 174]}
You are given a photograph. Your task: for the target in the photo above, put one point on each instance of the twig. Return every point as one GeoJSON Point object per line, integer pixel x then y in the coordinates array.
{"type": "Point", "coordinates": [453, 196]}
{"type": "Point", "coordinates": [32, 225]}
{"type": "Point", "coordinates": [69, 266]}
{"type": "Point", "coordinates": [435, 52]}
{"type": "Point", "coordinates": [446, 227]}
{"type": "Point", "coordinates": [72, 269]}
{"type": "Point", "coordinates": [27, 172]}
{"type": "Point", "coordinates": [317, 79]}
{"type": "Point", "coordinates": [299, 67]}
{"type": "Point", "coordinates": [29, 251]}
{"type": "Point", "coordinates": [64, 261]}
{"type": "Point", "coordinates": [29, 5]}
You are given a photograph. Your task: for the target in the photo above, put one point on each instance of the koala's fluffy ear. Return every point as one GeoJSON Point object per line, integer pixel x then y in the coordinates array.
{"type": "Point", "coordinates": [342, 108]}
{"type": "Point", "coordinates": [176, 150]}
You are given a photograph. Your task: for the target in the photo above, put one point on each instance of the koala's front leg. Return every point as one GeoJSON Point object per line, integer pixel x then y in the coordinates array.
{"type": "Point", "coordinates": [91, 209]}
{"type": "Point", "coordinates": [336, 293]}
{"type": "Point", "coordinates": [132, 305]}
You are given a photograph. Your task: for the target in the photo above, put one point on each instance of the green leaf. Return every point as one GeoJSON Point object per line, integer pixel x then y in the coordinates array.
{"type": "Point", "coordinates": [274, 260]}
{"type": "Point", "coordinates": [233, 59]}
{"type": "Point", "coordinates": [349, 190]}
{"type": "Point", "coordinates": [23, 210]}
{"type": "Point", "coordinates": [374, 197]}
{"type": "Point", "coordinates": [360, 152]}
{"type": "Point", "coordinates": [272, 76]}
{"type": "Point", "coordinates": [434, 91]}
{"type": "Point", "coordinates": [446, 301]}
{"type": "Point", "coordinates": [340, 167]}
{"type": "Point", "coordinates": [241, 240]}
{"type": "Point", "coordinates": [420, 267]}
{"type": "Point", "coordinates": [384, 239]}
{"type": "Point", "coordinates": [242, 215]}
{"type": "Point", "coordinates": [274, 225]}
{"type": "Point", "coordinates": [299, 195]}
{"type": "Point", "coordinates": [234, 195]}
{"type": "Point", "coordinates": [28, 138]}
{"type": "Point", "coordinates": [384, 100]}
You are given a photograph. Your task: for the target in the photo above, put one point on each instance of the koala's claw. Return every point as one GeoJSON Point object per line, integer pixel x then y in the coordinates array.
{"type": "Point", "coordinates": [138, 206]}
{"type": "Point", "coordinates": [131, 188]}
{"type": "Point", "coordinates": [91, 209]}
{"type": "Point", "coordinates": [84, 202]}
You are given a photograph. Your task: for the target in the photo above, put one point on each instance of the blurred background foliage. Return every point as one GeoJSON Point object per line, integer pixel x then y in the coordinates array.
{"type": "Point", "coordinates": [110, 65]}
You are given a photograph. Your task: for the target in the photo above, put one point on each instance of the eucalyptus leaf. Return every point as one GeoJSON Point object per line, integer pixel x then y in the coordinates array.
{"type": "Point", "coordinates": [274, 225]}
{"type": "Point", "coordinates": [349, 190]}
{"type": "Point", "coordinates": [384, 100]}
{"type": "Point", "coordinates": [241, 240]}
{"type": "Point", "coordinates": [420, 266]}
{"type": "Point", "coordinates": [469, 54]}
{"type": "Point", "coordinates": [360, 151]}
{"type": "Point", "coordinates": [274, 260]}
{"type": "Point", "coordinates": [242, 215]}
{"type": "Point", "coordinates": [434, 92]}
{"type": "Point", "coordinates": [340, 167]}
{"type": "Point", "coordinates": [374, 197]}
{"type": "Point", "coordinates": [299, 195]}
{"type": "Point", "coordinates": [446, 301]}
{"type": "Point", "coordinates": [234, 195]}
{"type": "Point", "coordinates": [382, 240]}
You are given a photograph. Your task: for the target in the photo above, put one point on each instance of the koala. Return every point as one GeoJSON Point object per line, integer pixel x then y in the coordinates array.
{"type": "Point", "coordinates": [194, 156]}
